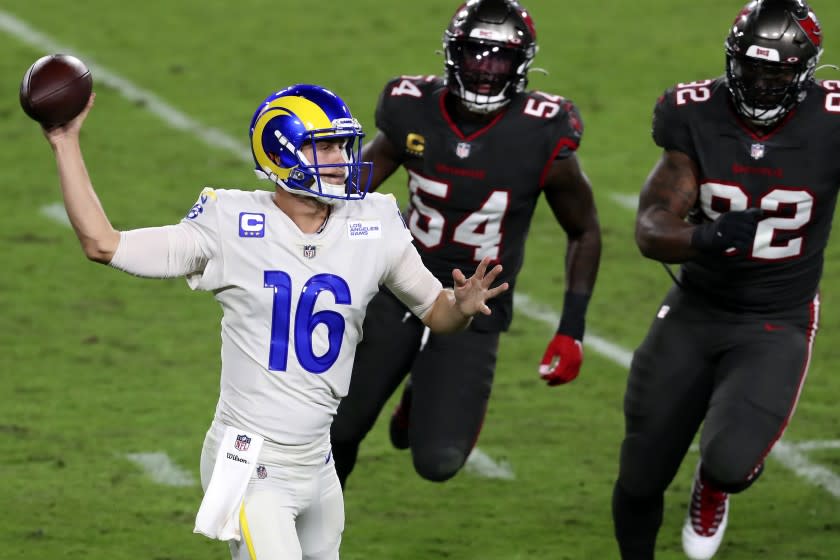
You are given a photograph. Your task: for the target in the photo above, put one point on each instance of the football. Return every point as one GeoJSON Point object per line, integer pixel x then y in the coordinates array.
{"type": "Point", "coordinates": [55, 89]}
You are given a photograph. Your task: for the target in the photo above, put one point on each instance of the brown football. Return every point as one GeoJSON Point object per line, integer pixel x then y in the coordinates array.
{"type": "Point", "coordinates": [55, 89]}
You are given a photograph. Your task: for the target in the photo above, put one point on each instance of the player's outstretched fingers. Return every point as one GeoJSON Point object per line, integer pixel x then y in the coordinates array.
{"type": "Point", "coordinates": [481, 269]}
{"type": "Point", "coordinates": [493, 292]}
{"type": "Point", "coordinates": [491, 276]}
{"type": "Point", "coordinates": [459, 278]}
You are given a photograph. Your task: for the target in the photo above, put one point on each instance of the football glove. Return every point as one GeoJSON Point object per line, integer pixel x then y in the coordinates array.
{"type": "Point", "coordinates": [562, 359]}
{"type": "Point", "coordinates": [731, 230]}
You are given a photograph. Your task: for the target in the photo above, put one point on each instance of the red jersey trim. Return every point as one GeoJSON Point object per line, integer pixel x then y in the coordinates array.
{"type": "Point", "coordinates": [755, 135]}
{"type": "Point", "coordinates": [563, 143]}
{"type": "Point", "coordinates": [455, 128]}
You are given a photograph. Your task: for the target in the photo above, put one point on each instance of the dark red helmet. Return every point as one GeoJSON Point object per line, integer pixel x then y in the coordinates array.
{"type": "Point", "coordinates": [488, 46]}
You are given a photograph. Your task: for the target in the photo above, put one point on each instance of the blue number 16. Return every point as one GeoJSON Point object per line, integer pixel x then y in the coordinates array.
{"type": "Point", "coordinates": [305, 320]}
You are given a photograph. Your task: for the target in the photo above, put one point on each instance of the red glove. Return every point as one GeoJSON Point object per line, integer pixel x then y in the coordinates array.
{"type": "Point", "coordinates": [561, 361]}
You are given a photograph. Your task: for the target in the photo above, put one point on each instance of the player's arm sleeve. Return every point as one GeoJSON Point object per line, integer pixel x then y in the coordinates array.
{"type": "Point", "coordinates": [405, 274]}
{"type": "Point", "coordinates": [568, 132]}
{"type": "Point", "coordinates": [413, 283]}
{"type": "Point", "coordinates": [160, 252]}
{"type": "Point", "coordinates": [191, 248]}
{"type": "Point", "coordinates": [387, 112]}
{"type": "Point", "coordinates": [669, 129]}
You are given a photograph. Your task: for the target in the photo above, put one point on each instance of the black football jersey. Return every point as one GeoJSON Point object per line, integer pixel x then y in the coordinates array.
{"type": "Point", "coordinates": [472, 193]}
{"type": "Point", "coordinates": [792, 173]}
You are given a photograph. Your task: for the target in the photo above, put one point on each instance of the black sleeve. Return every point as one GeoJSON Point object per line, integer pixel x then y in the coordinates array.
{"type": "Point", "coordinates": [569, 131]}
{"type": "Point", "coordinates": [670, 131]}
{"type": "Point", "coordinates": [384, 116]}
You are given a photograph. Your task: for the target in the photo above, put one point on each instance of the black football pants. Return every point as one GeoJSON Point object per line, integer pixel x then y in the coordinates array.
{"type": "Point", "coordinates": [451, 380]}
{"type": "Point", "coordinates": [740, 375]}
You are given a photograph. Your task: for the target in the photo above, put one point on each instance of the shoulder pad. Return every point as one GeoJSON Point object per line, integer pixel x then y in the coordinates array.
{"type": "Point", "coordinates": [831, 91]}
{"type": "Point", "coordinates": [412, 86]}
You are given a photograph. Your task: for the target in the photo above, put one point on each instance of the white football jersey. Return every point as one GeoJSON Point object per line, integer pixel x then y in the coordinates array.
{"type": "Point", "coordinates": [293, 304]}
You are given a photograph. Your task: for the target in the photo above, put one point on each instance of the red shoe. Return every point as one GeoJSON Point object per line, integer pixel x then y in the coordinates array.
{"type": "Point", "coordinates": [706, 521]}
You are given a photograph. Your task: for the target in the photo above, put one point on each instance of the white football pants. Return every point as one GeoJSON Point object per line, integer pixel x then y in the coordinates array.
{"type": "Point", "coordinates": [290, 511]}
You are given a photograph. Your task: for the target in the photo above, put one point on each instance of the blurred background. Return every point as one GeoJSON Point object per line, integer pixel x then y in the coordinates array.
{"type": "Point", "coordinates": [108, 383]}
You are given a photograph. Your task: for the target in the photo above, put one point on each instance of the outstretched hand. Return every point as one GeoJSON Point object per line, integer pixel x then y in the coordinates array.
{"type": "Point", "coordinates": [71, 128]}
{"type": "Point", "coordinates": [472, 293]}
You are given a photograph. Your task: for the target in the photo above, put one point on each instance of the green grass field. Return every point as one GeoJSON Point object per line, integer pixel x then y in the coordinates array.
{"type": "Point", "coordinates": [96, 365]}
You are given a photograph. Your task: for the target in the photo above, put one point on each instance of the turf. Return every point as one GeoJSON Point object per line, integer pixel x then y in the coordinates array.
{"type": "Point", "coordinates": [96, 365]}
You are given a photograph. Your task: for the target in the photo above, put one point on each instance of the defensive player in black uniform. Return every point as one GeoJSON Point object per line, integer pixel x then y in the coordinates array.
{"type": "Point", "coordinates": [479, 151]}
{"type": "Point", "coordinates": [743, 198]}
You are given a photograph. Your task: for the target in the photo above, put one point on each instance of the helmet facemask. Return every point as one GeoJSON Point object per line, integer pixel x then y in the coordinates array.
{"type": "Point", "coordinates": [327, 182]}
{"type": "Point", "coordinates": [329, 179]}
{"type": "Point", "coordinates": [764, 92]}
{"type": "Point", "coordinates": [485, 76]}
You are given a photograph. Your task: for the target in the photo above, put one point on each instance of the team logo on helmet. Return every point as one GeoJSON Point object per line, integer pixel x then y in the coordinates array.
{"type": "Point", "coordinates": [304, 114]}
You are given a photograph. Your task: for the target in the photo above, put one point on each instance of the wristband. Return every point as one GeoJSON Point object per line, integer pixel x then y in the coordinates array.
{"type": "Point", "coordinates": [703, 239]}
{"type": "Point", "coordinates": [573, 320]}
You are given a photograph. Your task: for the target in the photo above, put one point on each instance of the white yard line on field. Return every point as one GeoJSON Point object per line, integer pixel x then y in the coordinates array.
{"type": "Point", "coordinates": [481, 464]}
{"type": "Point", "coordinates": [478, 461]}
{"type": "Point", "coordinates": [816, 445]}
{"type": "Point", "coordinates": [540, 312]}
{"type": "Point", "coordinates": [151, 102]}
{"type": "Point", "coordinates": [791, 456]}
{"type": "Point", "coordinates": [629, 201]}
{"type": "Point", "coordinates": [162, 469]}
{"type": "Point", "coordinates": [56, 213]}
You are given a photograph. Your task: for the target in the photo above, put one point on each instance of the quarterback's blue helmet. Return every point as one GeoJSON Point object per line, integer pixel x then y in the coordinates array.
{"type": "Point", "coordinates": [289, 119]}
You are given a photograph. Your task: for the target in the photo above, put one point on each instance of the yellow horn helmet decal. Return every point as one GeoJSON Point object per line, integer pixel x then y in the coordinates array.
{"type": "Point", "coordinates": [309, 114]}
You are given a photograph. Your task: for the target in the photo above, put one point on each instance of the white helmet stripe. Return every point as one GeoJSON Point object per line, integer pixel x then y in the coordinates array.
{"type": "Point", "coordinates": [764, 53]}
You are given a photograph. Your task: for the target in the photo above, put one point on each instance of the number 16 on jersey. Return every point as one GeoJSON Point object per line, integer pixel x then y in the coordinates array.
{"type": "Point", "coordinates": [306, 320]}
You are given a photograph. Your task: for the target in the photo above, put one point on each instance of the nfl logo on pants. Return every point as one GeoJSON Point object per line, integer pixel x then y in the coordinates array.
{"type": "Point", "coordinates": [242, 442]}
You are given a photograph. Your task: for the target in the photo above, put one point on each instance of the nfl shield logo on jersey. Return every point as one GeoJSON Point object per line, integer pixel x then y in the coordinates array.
{"type": "Point", "coordinates": [242, 442]}
{"type": "Point", "coordinates": [757, 151]}
{"type": "Point", "coordinates": [462, 150]}
{"type": "Point", "coordinates": [309, 251]}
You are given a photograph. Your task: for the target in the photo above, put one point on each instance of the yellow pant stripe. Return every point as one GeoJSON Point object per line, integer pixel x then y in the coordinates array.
{"type": "Point", "coordinates": [246, 533]}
